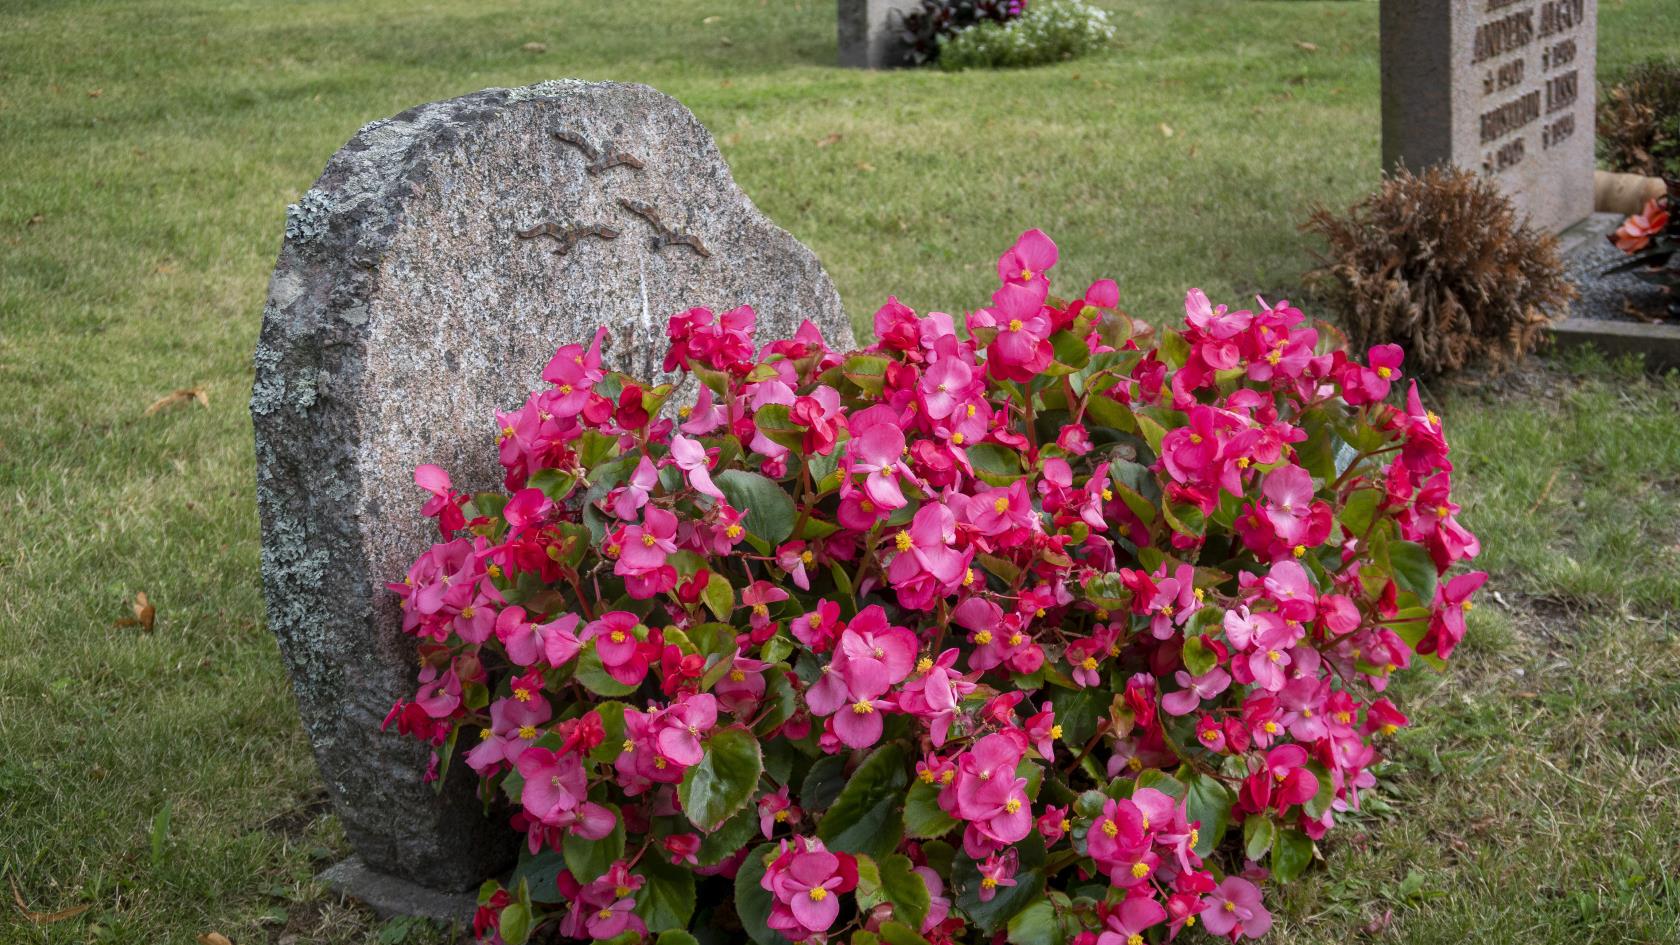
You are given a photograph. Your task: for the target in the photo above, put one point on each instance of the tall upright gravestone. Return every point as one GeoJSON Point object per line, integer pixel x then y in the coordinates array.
{"type": "Point", "coordinates": [424, 282]}
{"type": "Point", "coordinates": [1500, 86]}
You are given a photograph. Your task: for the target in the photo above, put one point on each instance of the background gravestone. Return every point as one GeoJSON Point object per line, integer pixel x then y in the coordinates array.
{"type": "Point", "coordinates": [871, 32]}
{"type": "Point", "coordinates": [1501, 86]}
{"type": "Point", "coordinates": [424, 282]}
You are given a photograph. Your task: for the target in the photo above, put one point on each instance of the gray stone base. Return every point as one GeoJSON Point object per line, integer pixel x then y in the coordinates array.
{"type": "Point", "coordinates": [390, 896]}
{"type": "Point", "coordinates": [1658, 344]}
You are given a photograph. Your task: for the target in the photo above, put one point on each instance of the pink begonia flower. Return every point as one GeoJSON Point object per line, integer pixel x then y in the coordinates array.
{"type": "Point", "coordinates": [997, 872]}
{"type": "Point", "coordinates": [527, 507]}
{"type": "Point", "coordinates": [1200, 314]}
{"type": "Point", "coordinates": [1446, 622]}
{"type": "Point", "coordinates": [805, 883]}
{"type": "Point", "coordinates": [554, 643]}
{"type": "Point", "coordinates": [1125, 923]}
{"type": "Point", "coordinates": [1369, 384]}
{"type": "Point", "coordinates": [944, 386]}
{"type": "Point", "coordinates": [1053, 824]}
{"type": "Point", "coordinates": [877, 654]}
{"type": "Point", "coordinates": [683, 848]}
{"type": "Point", "coordinates": [691, 458]}
{"type": "Point", "coordinates": [1289, 499]}
{"type": "Point", "coordinates": [556, 793]}
{"type": "Point", "coordinates": [614, 919]}
{"type": "Point", "coordinates": [758, 596]}
{"type": "Point", "coordinates": [615, 639]}
{"type": "Point", "coordinates": [1234, 910]}
{"type": "Point", "coordinates": [631, 496]}
{"type": "Point", "coordinates": [821, 415]}
{"type": "Point", "coordinates": [1286, 778]}
{"type": "Point", "coordinates": [445, 503]}
{"type": "Point", "coordinates": [934, 693]}
{"type": "Point", "coordinates": [1042, 732]}
{"type": "Point", "coordinates": [440, 696]}
{"type": "Point", "coordinates": [646, 546]}
{"type": "Point", "coordinates": [1033, 255]}
{"type": "Point", "coordinates": [1021, 349]}
{"type": "Point", "coordinates": [776, 808]}
{"type": "Point", "coordinates": [939, 905]}
{"type": "Point", "coordinates": [926, 564]}
{"type": "Point", "coordinates": [878, 451]}
{"type": "Point", "coordinates": [1195, 691]}
{"type": "Point", "coordinates": [792, 557]}
{"type": "Point", "coordinates": [680, 728]}
{"type": "Point", "coordinates": [819, 628]}
{"type": "Point", "coordinates": [1074, 439]}
{"type": "Point", "coordinates": [704, 416]}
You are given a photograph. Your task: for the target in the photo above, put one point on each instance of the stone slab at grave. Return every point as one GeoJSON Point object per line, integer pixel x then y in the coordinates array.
{"type": "Point", "coordinates": [423, 283]}
{"type": "Point", "coordinates": [870, 32]}
{"type": "Point", "coordinates": [1505, 87]}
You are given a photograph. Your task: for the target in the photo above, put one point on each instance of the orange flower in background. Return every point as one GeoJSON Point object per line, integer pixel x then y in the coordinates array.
{"type": "Point", "coordinates": [1635, 234]}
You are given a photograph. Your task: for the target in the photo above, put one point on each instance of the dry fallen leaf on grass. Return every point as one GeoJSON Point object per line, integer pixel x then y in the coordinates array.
{"type": "Point", "coordinates": [711, 19]}
{"type": "Point", "coordinates": [866, 167]}
{"type": "Point", "coordinates": [1305, 46]}
{"type": "Point", "coordinates": [180, 396]}
{"type": "Point", "coordinates": [213, 938]}
{"type": "Point", "coordinates": [37, 220]}
{"type": "Point", "coordinates": [45, 918]}
{"type": "Point", "coordinates": [145, 613]}
{"type": "Point", "coordinates": [95, 93]}
{"type": "Point", "coordinates": [832, 137]}
{"type": "Point", "coordinates": [1166, 130]}
{"type": "Point", "coordinates": [530, 48]}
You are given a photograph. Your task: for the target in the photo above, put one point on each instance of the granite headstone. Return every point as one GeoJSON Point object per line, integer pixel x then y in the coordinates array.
{"type": "Point", "coordinates": [1505, 87]}
{"type": "Point", "coordinates": [423, 283]}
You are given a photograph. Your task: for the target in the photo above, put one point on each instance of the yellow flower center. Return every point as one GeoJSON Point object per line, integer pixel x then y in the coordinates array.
{"type": "Point", "coordinates": [968, 577]}
{"type": "Point", "coordinates": [1055, 732]}
{"type": "Point", "coordinates": [1210, 735]}
{"type": "Point", "coordinates": [527, 732]}
{"type": "Point", "coordinates": [1344, 717]}
{"type": "Point", "coordinates": [507, 433]}
{"type": "Point", "coordinates": [1135, 763]}
{"type": "Point", "coordinates": [818, 894]}
{"type": "Point", "coordinates": [605, 913]}
{"type": "Point", "coordinates": [1196, 438]}
{"type": "Point", "coordinates": [761, 609]}
{"type": "Point", "coordinates": [617, 636]}
{"type": "Point", "coordinates": [1014, 324]}
{"type": "Point", "coordinates": [983, 637]}
{"type": "Point", "coordinates": [1107, 494]}
{"type": "Point", "coordinates": [1230, 906]}
{"type": "Point", "coordinates": [565, 388]}
{"type": "Point", "coordinates": [628, 747]}
{"type": "Point", "coordinates": [736, 675]}
{"type": "Point", "coordinates": [971, 410]}
{"type": "Point", "coordinates": [1385, 372]}
{"type": "Point", "coordinates": [957, 439]}
{"type": "Point", "coordinates": [1390, 729]}
{"type": "Point", "coordinates": [924, 664]}
{"type": "Point", "coordinates": [862, 707]}
{"type": "Point", "coordinates": [1273, 655]}
{"type": "Point", "coordinates": [648, 540]}
{"type": "Point", "coordinates": [902, 540]}
{"type": "Point", "coordinates": [987, 882]}
{"type": "Point", "coordinates": [946, 776]}
{"type": "Point", "coordinates": [1270, 727]}
{"type": "Point", "coordinates": [1110, 828]}
{"type": "Point", "coordinates": [1134, 939]}
{"type": "Point", "coordinates": [1015, 639]}
{"type": "Point", "coordinates": [1012, 805]}
{"type": "Point", "coordinates": [1026, 274]}
{"type": "Point", "coordinates": [484, 734]}
{"type": "Point", "coordinates": [807, 557]}
{"type": "Point", "coordinates": [1140, 870]}
{"type": "Point", "coordinates": [733, 532]}
{"type": "Point", "coordinates": [781, 816]}
{"type": "Point", "coordinates": [522, 694]}
{"type": "Point", "coordinates": [926, 775]}
{"type": "Point", "coordinates": [1001, 505]}
{"type": "Point", "coordinates": [1089, 662]}
{"type": "Point", "coordinates": [659, 763]}
{"type": "Point", "coordinates": [685, 412]}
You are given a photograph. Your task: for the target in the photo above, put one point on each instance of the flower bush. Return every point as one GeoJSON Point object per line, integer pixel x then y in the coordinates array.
{"type": "Point", "coordinates": [922, 28]}
{"type": "Point", "coordinates": [1040, 629]}
{"type": "Point", "coordinates": [1049, 31]}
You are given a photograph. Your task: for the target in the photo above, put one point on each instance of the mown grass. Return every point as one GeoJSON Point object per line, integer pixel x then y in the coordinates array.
{"type": "Point", "coordinates": [149, 150]}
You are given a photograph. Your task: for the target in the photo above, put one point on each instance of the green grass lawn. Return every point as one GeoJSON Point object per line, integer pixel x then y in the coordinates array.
{"type": "Point", "coordinates": [147, 153]}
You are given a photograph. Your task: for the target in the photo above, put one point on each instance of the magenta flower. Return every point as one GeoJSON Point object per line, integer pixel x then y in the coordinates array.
{"type": "Point", "coordinates": [1125, 924]}
{"type": "Point", "coordinates": [680, 728]}
{"type": "Point", "coordinates": [619, 647]}
{"type": "Point", "coordinates": [691, 458]}
{"type": "Point", "coordinates": [1446, 621]}
{"type": "Point", "coordinates": [1370, 383]}
{"type": "Point", "coordinates": [629, 498]}
{"type": "Point", "coordinates": [1234, 910]}
{"type": "Point", "coordinates": [1289, 499]}
{"type": "Point", "coordinates": [806, 882]}
{"type": "Point", "coordinates": [1028, 261]}
{"type": "Point", "coordinates": [878, 451]}
{"type": "Point", "coordinates": [1195, 691]}
{"type": "Point", "coordinates": [927, 564]}
{"type": "Point", "coordinates": [445, 503]}
{"type": "Point", "coordinates": [554, 643]}
{"type": "Point", "coordinates": [997, 872]}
